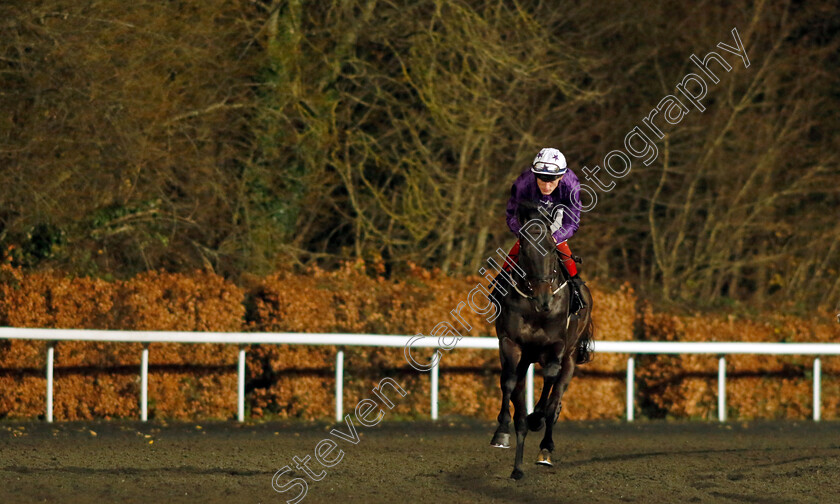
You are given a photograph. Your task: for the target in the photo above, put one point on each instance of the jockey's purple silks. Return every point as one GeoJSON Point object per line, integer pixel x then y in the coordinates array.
{"type": "Point", "coordinates": [567, 196]}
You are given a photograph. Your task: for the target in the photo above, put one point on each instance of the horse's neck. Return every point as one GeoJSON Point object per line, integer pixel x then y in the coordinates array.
{"type": "Point", "coordinates": [553, 265]}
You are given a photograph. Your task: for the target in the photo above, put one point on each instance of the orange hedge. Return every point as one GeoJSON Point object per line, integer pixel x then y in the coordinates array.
{"type": "Point", "coordinates": [757, 386]}
{"type": "Point", "coordinates": [100, 380]}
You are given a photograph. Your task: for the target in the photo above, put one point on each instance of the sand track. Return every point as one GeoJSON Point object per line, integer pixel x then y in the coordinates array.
{"type": "Point", "coordinates": [450, 461]}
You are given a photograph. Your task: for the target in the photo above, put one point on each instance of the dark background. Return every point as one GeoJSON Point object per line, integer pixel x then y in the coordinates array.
{"type": "Point", "coordinates": [247, 136]}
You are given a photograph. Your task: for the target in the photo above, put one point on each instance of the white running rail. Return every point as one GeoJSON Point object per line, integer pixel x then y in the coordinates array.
{"type": "Point", "coordinates": [720, 349]}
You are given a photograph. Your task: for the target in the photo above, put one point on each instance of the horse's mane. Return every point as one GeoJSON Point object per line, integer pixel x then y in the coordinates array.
{"type": "Point", "coordinates": [530, 210]}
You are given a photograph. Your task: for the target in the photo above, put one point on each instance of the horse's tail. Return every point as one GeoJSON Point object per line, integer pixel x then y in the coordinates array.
{"type": "Point", "coordinates": [584, 346]}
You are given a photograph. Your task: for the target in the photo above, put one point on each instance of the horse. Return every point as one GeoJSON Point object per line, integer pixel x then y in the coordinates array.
{"type": "Point", "coordinates": [535, 325]}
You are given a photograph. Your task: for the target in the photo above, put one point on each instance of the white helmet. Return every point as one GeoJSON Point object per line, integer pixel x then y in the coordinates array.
{"type": "Point", "coordinates": [549, 161]}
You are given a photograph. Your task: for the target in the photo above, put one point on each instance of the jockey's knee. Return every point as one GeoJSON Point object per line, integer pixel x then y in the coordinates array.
{"type": "Point", "coordinates": [512, 258]}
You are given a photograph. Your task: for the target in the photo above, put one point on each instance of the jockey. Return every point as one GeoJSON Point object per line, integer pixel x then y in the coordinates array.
{"type": "Point", "coordinates": [549, 182]}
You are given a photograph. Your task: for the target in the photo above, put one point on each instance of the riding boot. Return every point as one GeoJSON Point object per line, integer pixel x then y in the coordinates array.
{"type": "Point", "coordinates": [577, 298]}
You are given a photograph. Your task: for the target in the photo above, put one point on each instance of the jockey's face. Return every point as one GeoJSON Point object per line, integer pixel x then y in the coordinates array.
{"type": "Point", "coordinates": [548, 187]}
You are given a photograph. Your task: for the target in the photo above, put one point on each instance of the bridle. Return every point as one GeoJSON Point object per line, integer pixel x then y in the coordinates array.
{"type": "Point", "coordinates": [539, 280]}
{"type": "Point", "coordinates": [545, 279]}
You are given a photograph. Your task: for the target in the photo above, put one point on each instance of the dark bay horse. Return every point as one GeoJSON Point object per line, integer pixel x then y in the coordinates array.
{"type": "Point", "coordinates": [534, 325]}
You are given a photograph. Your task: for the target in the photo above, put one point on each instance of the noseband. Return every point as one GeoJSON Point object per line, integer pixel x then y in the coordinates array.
{"type": "Point", "coordinates": [539, 280]}
{"type": "Point", "coordinates": [526, 296]}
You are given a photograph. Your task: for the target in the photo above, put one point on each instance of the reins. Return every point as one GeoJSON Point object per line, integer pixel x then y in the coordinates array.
{"type": "Point", "coordinates": [526, 296]}
{"type": "Point", "coordinates": [540, 279]}
{"type": "Point", "coordinates": [515, 285]}
{"type": "Point", "coordinates": [516, 288]}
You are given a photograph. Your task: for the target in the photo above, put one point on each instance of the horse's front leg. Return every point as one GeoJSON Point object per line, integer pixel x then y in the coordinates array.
{"type": "Point", "coordinates": [555, 404]}
{"type": "Point", "coordinates": [520, 421]}
{"type": "Point", "coordinates": [546, 416]}
{"type": "Point", "coordinates": [510, 354]}
{"type": "Point", "coordinates": [551, 368]}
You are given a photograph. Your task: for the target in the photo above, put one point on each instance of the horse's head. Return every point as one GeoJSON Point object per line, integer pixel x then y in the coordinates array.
{"type": "Point", "coordinates": [536, 255]}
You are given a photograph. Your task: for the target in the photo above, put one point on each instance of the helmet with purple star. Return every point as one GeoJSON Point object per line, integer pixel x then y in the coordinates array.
{"type": "Point", "coordinates": [549, 164]}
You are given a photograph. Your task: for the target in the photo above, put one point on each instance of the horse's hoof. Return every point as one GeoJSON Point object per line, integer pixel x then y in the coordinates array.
{"type": "Point", "coordinates": [536, 421]}
{"type": "Point", "coordinates": [544, 458]}
{"type": "Point", "coordinates": [517, 474]}
{"type": "Point", "coordinates": [500, 440]}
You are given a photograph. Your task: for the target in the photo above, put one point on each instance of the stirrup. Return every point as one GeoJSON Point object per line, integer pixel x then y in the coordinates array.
{"type": "Point", "coordinates": [580, 302]}
{"type": "Point", "coordinates": [576, 305]}
{"type": "Point", "coordinates": [577, 296]}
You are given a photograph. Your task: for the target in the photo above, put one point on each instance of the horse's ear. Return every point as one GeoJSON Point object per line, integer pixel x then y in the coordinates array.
{"type": "Point", "coordinates": [527, 211]}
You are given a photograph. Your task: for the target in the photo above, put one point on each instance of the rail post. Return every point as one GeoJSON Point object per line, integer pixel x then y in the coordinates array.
{"type": "Point", "coordinates": [529, 389]}
{"type": "Point", "coordinates": [817, 385]}
{"type": "Point", "coordinates": [144, 383]}
{"type": "Point", "coordinates": [631, 385]}
{"type": "Point", "coordinates": [50, 359]}
{"type": "Point", "coordinates": [722, 389]}
{"type": "Point", "coordinates": [339, 385]}
{"type": "Point", "coordinates": [435, 384]}
{"type": "Point", "coordinates": [240, 396]}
